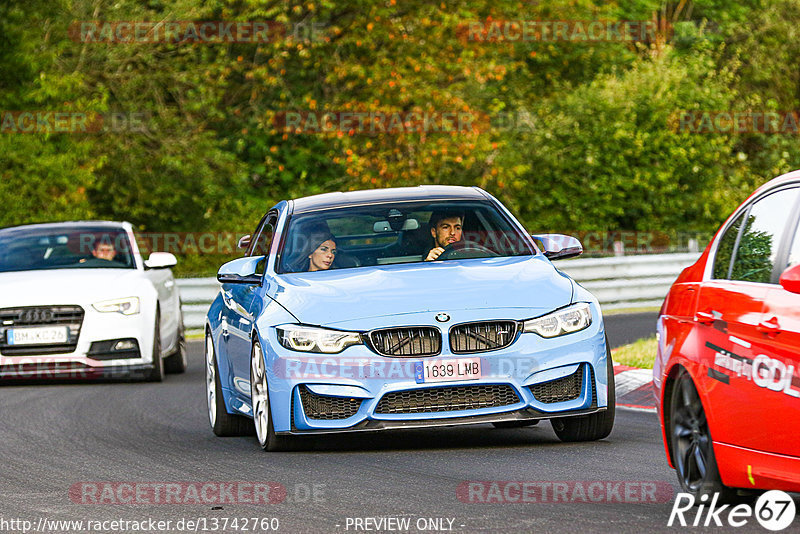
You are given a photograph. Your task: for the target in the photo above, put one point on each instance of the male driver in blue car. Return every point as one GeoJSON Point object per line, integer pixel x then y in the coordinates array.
{"type": "Point", "coordinates": [445, 230]}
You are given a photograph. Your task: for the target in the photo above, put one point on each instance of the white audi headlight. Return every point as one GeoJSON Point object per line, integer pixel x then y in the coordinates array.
{"type": "Point", "coordinates": [313, 339]}
{"type": "Point", "coordinates": [564, 321]}
{"type": "Point", "coordinates": [126, 306]}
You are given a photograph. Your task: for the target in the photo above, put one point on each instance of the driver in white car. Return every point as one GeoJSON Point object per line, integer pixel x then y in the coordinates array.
{"type": "Point", "coordinates": [102, 250]}
{"type": "Point", "coordinates": [445, 229]}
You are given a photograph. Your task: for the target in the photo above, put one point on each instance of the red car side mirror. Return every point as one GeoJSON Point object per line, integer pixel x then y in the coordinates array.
{"type": "Point", "coordinates": [790, 279]}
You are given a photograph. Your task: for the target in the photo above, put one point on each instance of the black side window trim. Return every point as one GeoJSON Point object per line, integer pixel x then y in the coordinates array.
{"type": "Point", "coordinates": [783, 247]}
{"type": "Point", "coordinates": [735, 251]}
{"type": "Point", "coordinates": [269, 218]}
{"type": "Point", "coordinates": [254, 235]}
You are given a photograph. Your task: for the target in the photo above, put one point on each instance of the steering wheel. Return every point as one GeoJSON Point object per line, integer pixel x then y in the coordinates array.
{"type": "Point", "coordinates": [461, 250]}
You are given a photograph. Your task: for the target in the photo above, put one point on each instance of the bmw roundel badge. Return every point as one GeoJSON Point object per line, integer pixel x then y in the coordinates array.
{"type": "Point", "coordinates": [442, 317]}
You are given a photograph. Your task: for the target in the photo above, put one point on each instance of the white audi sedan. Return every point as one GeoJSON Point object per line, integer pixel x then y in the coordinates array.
{"type": "Point", "coordinates": [77, 301]}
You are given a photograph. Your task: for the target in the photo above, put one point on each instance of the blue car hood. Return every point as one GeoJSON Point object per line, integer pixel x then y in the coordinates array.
{"type": "Point", "coordinates": [529, 284]}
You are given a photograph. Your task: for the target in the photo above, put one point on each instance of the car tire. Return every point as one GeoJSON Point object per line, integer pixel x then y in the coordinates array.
{"type": "Point", "coordinates": [515, 424]}
{"type": "Point", "coordinates": [259, 395]}
{"type": "Point", "coordinates": [177, 362]}
{"type": "Point", "coordinates": [222, 423]}
{"type": "Point", "coordinates": [593, 426]}
{"type": "Point", "coordinates": [157, 372]}
{"type": "Point", "coordinates": [691, 445]}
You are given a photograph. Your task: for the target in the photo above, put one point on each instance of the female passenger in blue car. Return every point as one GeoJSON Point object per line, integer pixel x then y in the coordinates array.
{"type": "Point", "coordinates": [324, 251]}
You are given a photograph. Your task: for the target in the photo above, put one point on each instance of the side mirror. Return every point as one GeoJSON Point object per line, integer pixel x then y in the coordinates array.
{"type": "Point", "coordinates": [161, 260]}
{"type": "Point", "coordinates": [558, 246]}
{"type": "Point", "coordinates": [244, 241]}
{"type": "Point", "coordinates": [790, 279]}
{"type": "Point", "coordinates": [241, 271]}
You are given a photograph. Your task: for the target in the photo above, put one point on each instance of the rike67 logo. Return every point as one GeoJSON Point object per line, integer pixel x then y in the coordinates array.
{"type": "Point", "coordinates": [774, 510]}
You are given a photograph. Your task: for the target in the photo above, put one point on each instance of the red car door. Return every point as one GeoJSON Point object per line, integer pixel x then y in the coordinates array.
{"type": "Point", "coordinates": [777, 367]}
{"type": "Point", "coordinates": [731, 326]}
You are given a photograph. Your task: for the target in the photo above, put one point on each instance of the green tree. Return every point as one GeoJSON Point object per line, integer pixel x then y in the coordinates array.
{"type": "Point", "coordinates": [610, 155]}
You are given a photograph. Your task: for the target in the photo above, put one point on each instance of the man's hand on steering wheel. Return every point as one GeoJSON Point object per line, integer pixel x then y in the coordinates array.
{"type": "Point", "coordinates": [461, 249]}
{"type": "Point", "coordinates": [434, 253]}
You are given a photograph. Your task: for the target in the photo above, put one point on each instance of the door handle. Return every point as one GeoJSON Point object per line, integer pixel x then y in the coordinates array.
{"type": "Point", "coordinates": [225, 332]}
{"type": "Point", "coordinates": [227, 296]}
{"type": "Point", "coordinates": [705, 317]}
{"type": "Point", "coordinates": [169, 284]}
{"type": "Point", "coordinates": [771, 326]}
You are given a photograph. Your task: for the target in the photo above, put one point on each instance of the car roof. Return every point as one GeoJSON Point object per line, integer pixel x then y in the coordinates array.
{"type": "Point", "coordinates": [70, 224]}
{"type": "Point", "coordinates": [784, 179]}
{"type": "Point", "coordinates": [376, 196]}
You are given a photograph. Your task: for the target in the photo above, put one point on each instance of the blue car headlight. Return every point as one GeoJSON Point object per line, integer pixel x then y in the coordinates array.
{"type": "Point", "coordinates": [560, 322]}
{"type": "Point", "coordinates": [314, 339]}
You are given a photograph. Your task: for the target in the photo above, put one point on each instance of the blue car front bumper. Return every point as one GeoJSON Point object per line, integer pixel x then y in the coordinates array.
{"type": "Point", "coordinates": [358, 390]}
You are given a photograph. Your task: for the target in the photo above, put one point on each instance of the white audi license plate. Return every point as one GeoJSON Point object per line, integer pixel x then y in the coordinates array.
{"type": "Point", "coordinates": [447, 370]}
{"type": "Point", "coordinates": [41, 335]}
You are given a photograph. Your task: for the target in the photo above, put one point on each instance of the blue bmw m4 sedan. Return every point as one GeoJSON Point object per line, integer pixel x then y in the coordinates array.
{"type": "Point", "coordinates": [403, 308]}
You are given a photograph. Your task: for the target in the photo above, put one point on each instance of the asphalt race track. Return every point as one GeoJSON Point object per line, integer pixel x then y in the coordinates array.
{"type": "Point", "coordinates": [628, 327]}
{"type": "Point", "coordinates": [66, 444]}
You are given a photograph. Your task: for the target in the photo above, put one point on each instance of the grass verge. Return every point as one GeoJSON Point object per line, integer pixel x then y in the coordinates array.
{"type": "Point", "coordinates": [194, 335]}
{"type": "Point", "coordinates": [641, 353]}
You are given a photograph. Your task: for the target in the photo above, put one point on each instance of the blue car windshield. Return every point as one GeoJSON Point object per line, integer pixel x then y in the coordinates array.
{"type": "Point", "coordinates": [64, 247]}
{"type": "Point", "coordinates": [404, 232]}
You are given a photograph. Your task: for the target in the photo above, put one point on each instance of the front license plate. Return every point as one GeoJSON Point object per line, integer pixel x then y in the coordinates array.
{"type": "Point", "coordinates": [447, 370]}
{"type": "Point", "coordinates": [43, 335]}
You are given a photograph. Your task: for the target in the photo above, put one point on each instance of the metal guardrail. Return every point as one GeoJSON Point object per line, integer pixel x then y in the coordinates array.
{"type": "Point", "coordinates": [619, 282]}
{"type": "Point", "coordinates": [196, 296]}
{"type": "Point", "coordinates": [628, 281]}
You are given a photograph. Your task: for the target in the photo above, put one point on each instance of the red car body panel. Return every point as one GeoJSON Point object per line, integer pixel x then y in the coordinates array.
{"type": "Point", "coordinates": [740, 343]}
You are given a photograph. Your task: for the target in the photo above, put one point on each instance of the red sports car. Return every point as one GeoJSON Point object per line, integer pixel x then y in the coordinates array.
{"type": "Point", "coordinates": [727, 372]}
